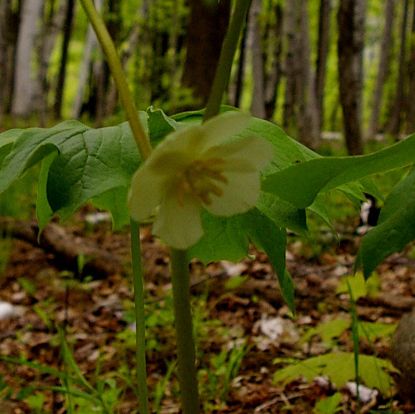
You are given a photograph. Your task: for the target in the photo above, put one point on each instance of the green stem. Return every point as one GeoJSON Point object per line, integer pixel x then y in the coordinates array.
{"type": "Point", "coordinates": [144, 147]}
{"type": "Point", "coordinates": [117, 72]}
{"type": "Point", "coordinates": [184, 332]}
{"type": "Point", "coordinates": [137, 270]}
{"type": "Point", "coordinates": [223, 71]}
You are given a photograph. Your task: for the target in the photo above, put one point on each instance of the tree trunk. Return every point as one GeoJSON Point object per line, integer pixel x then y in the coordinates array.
{"type": "Point", "coordinates": [383, 68]}
{"type": "Point", "coordinates": [46, 44]}
{"type": "Point", "coordinates": [255, 45]}
{"type": "Point", "coordinates": [24, 82]}
{"type": "Point", "coordinates": [290, 64]}
{"type": "Point", "coordinates": [410, 121]}
{"type": "Point", "coordinates": [309, 133]}
{"type": "Point", "coordinates": [240, 73]}
{"type": "Point", "coordinates": [9, 28]}
{"type": "Point", "coordinates": [322, 54]}
{"type": "Point", "coordinates": [102, 71]}
{"type": "Point", "coordinates": [394, 126]}
{"type": "Point", "coordinates": [274, 37]}
{"type": "Point", "coordinates": [351, 18]}
{"type": "Point", "coordinates": [91, 43]}
{"type": "Point", "coordinates": [206, 31]}
{"type": "Point", "coordinates": [60, 84]}
{"type": "Point", "coordinates": [132, 45]}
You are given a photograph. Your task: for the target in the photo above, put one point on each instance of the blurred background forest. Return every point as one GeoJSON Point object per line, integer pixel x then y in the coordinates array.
{"type": "Point", "coordinates": [317, 68]}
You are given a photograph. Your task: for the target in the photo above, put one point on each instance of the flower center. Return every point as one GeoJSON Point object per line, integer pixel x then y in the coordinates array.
{"type": "Point", "coordinates": [201, 179]}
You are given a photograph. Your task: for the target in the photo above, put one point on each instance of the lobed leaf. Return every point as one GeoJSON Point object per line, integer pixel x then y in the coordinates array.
{"type": "Point", "coordinates": [339, 367]}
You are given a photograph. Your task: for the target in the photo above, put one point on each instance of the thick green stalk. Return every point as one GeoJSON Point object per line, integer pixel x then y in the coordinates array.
{"type": "Point", "coordinates": [223, 71]}
{"type": "Point", "coordinates": [144, 147]}
{"type": "Point", "coordinates": [179, 264]}
{"type": "Point", "coordinates": [118, 74]}
{"type": "Point", "coordinates": [184, 332]}
{"type": "Point", "coordinates": [138, 278]}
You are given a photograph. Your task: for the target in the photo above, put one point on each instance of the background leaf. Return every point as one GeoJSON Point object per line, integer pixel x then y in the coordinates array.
{"type": "Point", "coordinates": [396, 227]}
{"type": "Point", "coordinates": [300, 184]}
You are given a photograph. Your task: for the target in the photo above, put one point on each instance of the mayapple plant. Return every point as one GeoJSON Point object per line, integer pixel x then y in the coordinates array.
{"type": "Point", "coordinates": [198, 168]}
{"type": "Point", "coordinates": [213, 184]}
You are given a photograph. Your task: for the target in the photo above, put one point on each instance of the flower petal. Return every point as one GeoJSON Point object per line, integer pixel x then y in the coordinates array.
{"type": "Point", "coordinates": [251, 153]}
{"type": "Point", "coordinates": [240, 194]}
{"type": "Point", "coordinates": [222, 127]}
{"type": "Point", "coordinates": [145, 194]}
{"type": "Point", "coordinates": [178, 223]}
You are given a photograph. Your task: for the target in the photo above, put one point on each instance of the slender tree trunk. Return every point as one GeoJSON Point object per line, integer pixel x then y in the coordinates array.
{"type": "Point", "coordinates": [206, 31]}
{"type": "Point", "coordinates": [254, 40]}
{"type": "Point", "coordinates": [102, 71]}
{"type": "Point", "coordinates": [46, 44]}
{"type": "Point", "coordinates": [240, 73]}
{"type": "Point", "coordinates": [383, 68]}
{"type": "Point", "coordinates": [24, 81]}
{"type": "Point", "coordinates": [322, 54]}
{"type": "Point", "coordinates": [351, 18]}
{"type": "Point", "coordinates": [290, 64]}
{"type": "Point", "coordinates": [395, 124]}
{"type": "Point", "coordinates": [60, 84]}
{"type": "Point", "coordinates": [274, 52]}
{"type": "Point", "coordinates": [410, 121]}
{"type": "Point", "coordinates": [309, 132]}
{"type": "Point", "coordinates": [90, 45]}
{"type": "Point", "coordinates": [132, 45]}
{"type": "Point", "coordinates": [9, 28]}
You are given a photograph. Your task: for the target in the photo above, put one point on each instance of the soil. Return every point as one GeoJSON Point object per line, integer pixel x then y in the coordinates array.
{"type": "Point", "coordinates": [92, 313]}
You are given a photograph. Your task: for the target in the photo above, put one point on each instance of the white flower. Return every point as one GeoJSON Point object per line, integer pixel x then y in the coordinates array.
{"type": "Point", "coordinates": [199, 167]}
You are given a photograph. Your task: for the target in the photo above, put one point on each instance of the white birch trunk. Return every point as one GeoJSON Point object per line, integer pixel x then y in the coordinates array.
{"type": "Point", "coordinates": [91, 44]}
{"type": "Point", "coordinates": [25, 80]}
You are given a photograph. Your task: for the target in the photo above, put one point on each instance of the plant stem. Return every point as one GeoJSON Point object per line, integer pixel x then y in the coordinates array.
{"type": "Point", "coordinates": [179, 264]}
{"type": "Point", "coordinates": [144, 148]}
{"type": "Point", "coordinates": [223, 71]}
{"type": "Point", "coordinates": [117, 72]}
{"type": "Point", "coordinates": [184, 332]}
{"type": "Point", "coordinates": [137, 270]}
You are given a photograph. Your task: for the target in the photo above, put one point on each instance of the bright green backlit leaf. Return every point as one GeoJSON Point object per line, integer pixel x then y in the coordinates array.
{"type": "Point", "coordinates": [357, 285]}
{"type": "Point", "coordinates": [375, 330]}
{"type": "Point", "coordinates": [328, 331]}
{"type": "Point", "coordinates": [329, 405]}
{"type": "Point", "coordinates": [339, 368]}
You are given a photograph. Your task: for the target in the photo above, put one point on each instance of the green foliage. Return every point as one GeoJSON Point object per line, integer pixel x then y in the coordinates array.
{"type": "Point", "coordinates": [339, 367]}
{"type": "Point", "coordinates": [80, 164]}
{"type": "Point", "coordinates": [35, 402]}
{"type": "Point", "coordinates": [81, 396]}
{"type": "Point", "coordinates": [328, 331]}
{"type": "Point", "coordinates": [329, 405]}
{"type": "Point", "coordinates": [396, 225]}
{"type": "Point", "coordinates": [300, 183]}
{"type": "Point", "coordinates": [224, 367]}
{"type": "Point", "coordinates": [375, 330]}
{"type": "Point", "coordinates": [358, 286]}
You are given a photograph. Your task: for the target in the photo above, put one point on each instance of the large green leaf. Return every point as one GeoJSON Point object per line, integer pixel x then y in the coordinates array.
{"type": "Point", "coordinates": [300, 183]}
{"type": "Point", "coordinates": [228, 239]}
{"type": "Point", "coordinates": [90, 164]}
{"type": "Point", "coordinates": [396, 226]}
{"type": "Point", "coordinates": [87, 164]}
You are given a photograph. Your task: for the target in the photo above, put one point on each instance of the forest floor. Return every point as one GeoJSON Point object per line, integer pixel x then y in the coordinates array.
{"type": "Point", "coordinates": [241, 323]}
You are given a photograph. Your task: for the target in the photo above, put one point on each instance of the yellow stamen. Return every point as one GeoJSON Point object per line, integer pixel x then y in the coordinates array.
{"type": "Point", "coordinates": [200, 180]}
